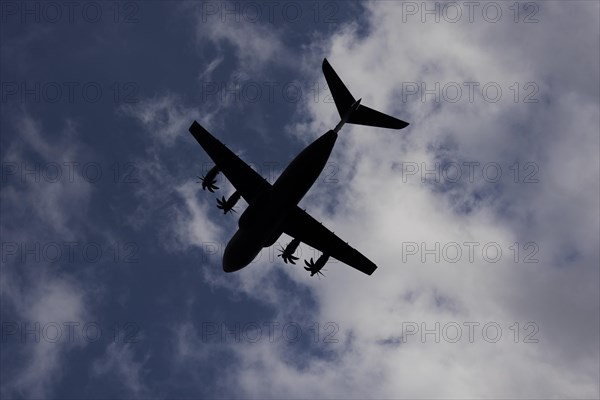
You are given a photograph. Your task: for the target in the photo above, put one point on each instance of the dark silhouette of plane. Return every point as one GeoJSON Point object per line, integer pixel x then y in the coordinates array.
{"type": "Point", "coordinates": [273, 209]}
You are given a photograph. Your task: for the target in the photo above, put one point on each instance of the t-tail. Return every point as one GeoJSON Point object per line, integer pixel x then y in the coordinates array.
{"type": "Point", "coordinates": [350, 109]}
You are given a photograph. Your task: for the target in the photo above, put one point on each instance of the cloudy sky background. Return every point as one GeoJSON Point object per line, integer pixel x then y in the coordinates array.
{"type": "Point", "coordinates": [112, 284]}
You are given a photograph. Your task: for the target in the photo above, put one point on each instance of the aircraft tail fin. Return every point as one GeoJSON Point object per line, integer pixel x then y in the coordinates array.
{"type": "Point", "coordinates": [363, 115]}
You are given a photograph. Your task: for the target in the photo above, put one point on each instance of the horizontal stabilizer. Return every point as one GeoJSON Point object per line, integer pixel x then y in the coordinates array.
{"type": "Point", "coordinates": [341, 95]}
{"type": "Point", "coordinates": [344, 100]}
{"type": "Point", "coordinates": [367, 116]}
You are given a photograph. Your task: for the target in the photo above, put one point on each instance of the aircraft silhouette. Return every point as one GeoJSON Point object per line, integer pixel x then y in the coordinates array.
{"type": "Point", "coordinates": [273, 209]}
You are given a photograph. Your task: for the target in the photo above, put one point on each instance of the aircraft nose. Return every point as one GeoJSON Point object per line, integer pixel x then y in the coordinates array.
{"type": "Point", "coordinates": [231, 260]}
{"type": "Point", "coordinates": [231, 265]}
{"type": "Point", "coordinates": [240, 251]}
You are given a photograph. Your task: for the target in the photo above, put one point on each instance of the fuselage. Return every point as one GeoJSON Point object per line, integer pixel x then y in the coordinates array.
{"type": "Point", "coordinates": [262, 222]}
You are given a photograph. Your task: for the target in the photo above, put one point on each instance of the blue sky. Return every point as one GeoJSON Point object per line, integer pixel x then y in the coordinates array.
{"type": "Point", "coordinates": [482, 215]}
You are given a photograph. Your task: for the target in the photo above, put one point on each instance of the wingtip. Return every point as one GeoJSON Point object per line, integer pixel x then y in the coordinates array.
{"type": "Point", "coordinates": [374, 268]}
{"type": "Point", "coordinates": [195, 125]}
{"type": "Point", "coordinates": [403, 124]}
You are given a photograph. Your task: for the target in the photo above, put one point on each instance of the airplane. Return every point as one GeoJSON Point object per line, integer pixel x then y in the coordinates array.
{"type": "Point", "coordinates": [273, 209]}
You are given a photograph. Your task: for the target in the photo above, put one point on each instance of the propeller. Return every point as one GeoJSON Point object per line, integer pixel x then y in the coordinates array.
{"type": "Point", "coordinates": [224, 205]}
{"type": "Point", "coordinates": [285, 256]}
{"type": "Point", "coordinates": [312, 268]}
{"type": "Point", "coordinates": [209, 180]}
{"type": "Point", "coordinates": [208, 183]}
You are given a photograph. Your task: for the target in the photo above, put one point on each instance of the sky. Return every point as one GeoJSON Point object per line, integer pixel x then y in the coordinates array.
{"type": "Point", "coordinates": [482, 215]}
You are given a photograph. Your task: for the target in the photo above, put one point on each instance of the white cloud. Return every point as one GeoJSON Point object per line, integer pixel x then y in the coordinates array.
{"type": "Point", "coordinates": [44, 304]}
{"type": "Point", "coordinates": [46, 307]}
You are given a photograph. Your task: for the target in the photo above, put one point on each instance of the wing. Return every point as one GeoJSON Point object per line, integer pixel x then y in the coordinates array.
{"type": "Point", "coordinates": [245, 180]}
{"type": "Point", "coordinates": [301, 225]}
